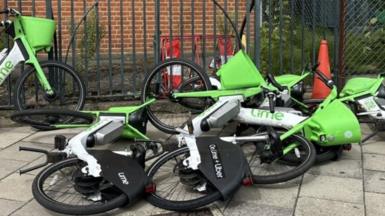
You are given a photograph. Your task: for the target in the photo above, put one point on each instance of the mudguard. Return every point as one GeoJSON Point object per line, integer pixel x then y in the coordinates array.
{"type": "Point", "coordinates": [124, 172]}
{"type": "Point", "coordinates": [222, 163]}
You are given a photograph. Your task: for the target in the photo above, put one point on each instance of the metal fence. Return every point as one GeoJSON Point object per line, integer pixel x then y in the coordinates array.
{"type": "Point", "coordinates": [116, 42]}
{"type": "Point", "coordinates": [364, 37]}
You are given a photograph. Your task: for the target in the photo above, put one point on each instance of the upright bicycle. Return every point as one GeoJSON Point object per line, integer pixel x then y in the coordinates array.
{"type": "Point", "coordinates": [49, 84]}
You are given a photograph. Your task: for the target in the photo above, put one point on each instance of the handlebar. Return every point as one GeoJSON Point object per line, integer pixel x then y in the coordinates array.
{"type": "Point", "coordinates": [4, 11]}
{"type": "Point", "coordinates": [5, 23]}
{"type": "Point", "coordinates": [328, 82]}
{"type": "Point", "coordinates": [10, 11]}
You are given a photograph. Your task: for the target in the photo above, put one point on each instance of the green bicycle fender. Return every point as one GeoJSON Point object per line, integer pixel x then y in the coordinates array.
{"type": "Point", "coordinates": [344, 96]}
{"type": "Point", "coordinates": [290, 80]}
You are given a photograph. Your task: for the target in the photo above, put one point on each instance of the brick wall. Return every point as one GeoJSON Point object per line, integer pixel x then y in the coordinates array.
{"type": "Point", "coordinates": [135, 9]}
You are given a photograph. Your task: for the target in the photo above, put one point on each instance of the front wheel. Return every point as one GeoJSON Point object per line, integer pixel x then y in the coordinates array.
{"type": "Point", "coordinates": [179, 188]}
{"type": "Point", "coordinates": [69, 89]}
{"type": "Point", "coordinates": [277, 170]}
{"type": "Point", "coordinates": [63, 188]}
{"type": "Point", "coordinates": [174, 75]}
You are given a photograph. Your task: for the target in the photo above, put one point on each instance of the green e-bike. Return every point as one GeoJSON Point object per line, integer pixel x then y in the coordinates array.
{"type": "Point", "coordinates": [43, 83]}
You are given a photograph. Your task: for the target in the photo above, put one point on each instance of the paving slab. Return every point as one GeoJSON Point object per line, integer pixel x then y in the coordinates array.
{"type": "Point", "coordinates": [374, 181]}
{"type": "Point", "coordinates": [9, 206]}
{"type": "Point", "coordinates": [33, 208]}
{"type": "Point", "coordinates": [339, 168]}
{"type": "Point", "coordinates": [153, 133]}
{"type": "Point", "coordinates": [249, 208]}
{"type": "Point", "coordinates": [353, 154]}
{"type": "Point", "coordinates": [16, 187]}
{"type": "Point", "coordinates": [140, 208]}
{"type": "Point", "coordinates": [10, 136]}
{"type": "Point", "coordinates": [9, 166]}
{"type": "Point", "coordinates": [374, 147]}
{"type": "Point", "coordinates": [374, 162]}
{"type": "Point", "coordinates": [48, 136]}
{"type": "Point", "coordinates": [13, 153]}
{"type": "Point", "coordinates": [375, 204]}
{"type": "Point", "coordinates": [320, 207]}
{"type": "Point", "coordinates": [22, 129]}
{"type": "Point", "coordinates": [272, 195]}
{"type": "Point", "coordinates": [332, 188]}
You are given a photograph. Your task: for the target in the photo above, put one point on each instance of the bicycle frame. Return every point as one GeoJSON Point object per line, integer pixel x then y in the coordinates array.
{"type": "Point", "coordinates": [22, 52]}
{"type": "Point", "coordinates": [313, 127]}
{"type": "Point", "coordinates": [114, 113]}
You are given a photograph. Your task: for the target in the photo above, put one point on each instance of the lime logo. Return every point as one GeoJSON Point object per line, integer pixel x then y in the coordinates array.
{"type": "Point", "coordinates": [267, 114]}
{"type": "Point", "coordinates": [4, 71]}
{"type": "Point", "coordinates": [348, 134]}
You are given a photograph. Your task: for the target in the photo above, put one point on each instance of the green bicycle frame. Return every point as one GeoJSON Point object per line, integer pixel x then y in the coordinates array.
{"type": "Point", "coordinates": [129, 132]}
{"type": "Point", "coordinates": [26, 47]}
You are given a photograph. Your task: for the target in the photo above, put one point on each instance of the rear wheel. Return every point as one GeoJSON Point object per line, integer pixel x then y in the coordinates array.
{"type": "Point", "coordinates": [179, 188]}
{"type": "Point", "coordinates": [63, 188]}
{"type": "Point", "coordinates": [276, 170]}
{"type": "Point", "coordinates": [168, 113]}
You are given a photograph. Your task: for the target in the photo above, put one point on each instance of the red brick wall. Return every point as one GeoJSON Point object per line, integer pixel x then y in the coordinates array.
{"type": "Point", "coordinates": [78, 9]}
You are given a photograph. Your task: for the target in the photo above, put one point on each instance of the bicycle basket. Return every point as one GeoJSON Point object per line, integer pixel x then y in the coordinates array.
{"type": "Point", "coordinates": [39, 32]}
{"type": "Point", "coordinates": [240, 72]}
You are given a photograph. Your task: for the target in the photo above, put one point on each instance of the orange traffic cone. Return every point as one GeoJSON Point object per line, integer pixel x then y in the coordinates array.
{"type": "Point", "coordinates": [320, 90]}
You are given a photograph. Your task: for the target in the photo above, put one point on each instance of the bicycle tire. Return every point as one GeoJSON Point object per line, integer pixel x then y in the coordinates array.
{"type": "Point", "coordinates": [23, 78]}
{"type": "Point", "coordinates": [177, 205]}
{"type": "Point", "coordinates": [297, 171]}
{"type": "Point", "coordinates": [53, 205]}
{"type": "Point", "coordinates": [170, 129]}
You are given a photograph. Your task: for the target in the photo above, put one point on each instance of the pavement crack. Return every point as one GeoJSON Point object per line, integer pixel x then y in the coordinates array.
{"type": "Point", "coordinates": [363, 178]}
{"type": "Point", "coordinates": [298, 193]}
{"type": "Point", "coordinates": [22, 206]}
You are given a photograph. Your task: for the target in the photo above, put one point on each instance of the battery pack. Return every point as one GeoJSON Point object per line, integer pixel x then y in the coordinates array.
{"type": "Point", "coordinates": [109, 133]}
{"type": "Point", "coordinates": [224, 114]}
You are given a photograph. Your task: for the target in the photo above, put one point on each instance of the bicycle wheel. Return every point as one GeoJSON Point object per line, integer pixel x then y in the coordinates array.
{"type": "Point", "coordinates": [68, 87]}
{"type": "Point", "coordinates": [177, 187]}
{"type": "Point", "coordinates": [277, 171]}
{"type": "Point", "coordinates": [63, 188]}
{"type": "Point", "coordinates": [167, 113]}
{"type": "Point", "coordinates": [50, 119]}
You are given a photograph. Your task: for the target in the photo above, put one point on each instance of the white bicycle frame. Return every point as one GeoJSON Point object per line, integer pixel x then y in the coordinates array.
{"type": "Point", "coordinates": [282, 117]}
{"type": "Point", "coordinates": [371, 108]}
{"type": "Point", "coordinates": [9, 62]}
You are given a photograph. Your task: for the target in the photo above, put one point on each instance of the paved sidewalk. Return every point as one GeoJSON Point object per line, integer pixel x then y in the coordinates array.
{"type": "Point", "coordinates": [353, 185]}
